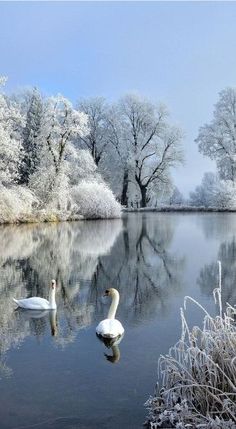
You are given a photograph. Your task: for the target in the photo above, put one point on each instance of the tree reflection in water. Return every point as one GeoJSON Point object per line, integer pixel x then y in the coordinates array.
{"type": "Point", "coordinates": [85, 258]}
{"type": "Point", "coordinates": [141, 267]}
{"type": "Point", "coordinates": [209, 274]}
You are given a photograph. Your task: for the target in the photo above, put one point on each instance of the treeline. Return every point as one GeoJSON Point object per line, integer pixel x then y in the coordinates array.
{"type": "Point", "coordinates": [48, 147]}
{"type": "Point", "coordinates": [62, 162]}
{"type": "Point", "coordinates": [136, 147]}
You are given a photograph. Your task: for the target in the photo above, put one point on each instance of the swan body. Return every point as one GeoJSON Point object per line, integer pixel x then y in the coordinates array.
{"type": "Point", "coordinates": [111, 327]}
{"type": "Point", "coordinates": [37, 303]}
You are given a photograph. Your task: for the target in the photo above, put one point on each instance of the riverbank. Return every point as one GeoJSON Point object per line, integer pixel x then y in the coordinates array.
{"type": "Point", "coordinates": [181, 209]}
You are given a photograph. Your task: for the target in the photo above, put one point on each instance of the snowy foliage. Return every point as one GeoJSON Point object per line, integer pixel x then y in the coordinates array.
{"type": "Point", "coordinates": [95, 200]}
{"type": "Point", "coordinates": [17, 204]}
{"type": "Point", "coordinates": [214, 192]}
{"type": "Point", "coordinates": [31, 143]}
{"type": "Point", "coordinates": [60, 125]}
{"type": "Point", "coordinates": [198, 375]}
{"type": "Point", "coordinates": [39, 150]}
{"type": "Point", "coordinates": [217, 139]}
{"type": "Point", "coordinates": [11, 122]}
{"type": "Point", "coordinates": [96, 139]}
{"type": "Point", "coordinates": [80, 165]}
{"type": "Point", "coordinates": [176, 197]}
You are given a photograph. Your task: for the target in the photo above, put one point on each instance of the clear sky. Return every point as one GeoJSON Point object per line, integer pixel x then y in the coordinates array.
{"type": "Point", "coordinates": [181, 53]}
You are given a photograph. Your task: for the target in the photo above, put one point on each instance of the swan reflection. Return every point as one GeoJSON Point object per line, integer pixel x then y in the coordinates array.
{"type": "Point", "coordinates": [37, 321]}
{"type": "Point", "coordinates": [113, 344]}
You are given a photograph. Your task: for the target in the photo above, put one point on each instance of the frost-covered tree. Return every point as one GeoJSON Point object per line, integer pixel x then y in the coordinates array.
{"type": "Point", "coordinates": [31, 143]}
{"type": "Point", "coordinates": [176, 197]}
{"type": "Point", "coordinates": [154, 145]}
{"type": "Point", "coordinates": [204, 194]}
{"type": "Point", "coordinates": [11, 122]}
{"type": "Point", "coordinates": [217, 139]}
{"type": "Point", "coordinates": [61, 124]}
{"type": "Point", "coordinates": [214, 192]}
{"type": "Point", "coordinates": [96, 139]}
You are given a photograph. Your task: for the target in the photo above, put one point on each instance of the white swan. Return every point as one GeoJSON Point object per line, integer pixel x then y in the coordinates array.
{"type": "Point", "coordinates": [110, 327]}
{"type": "Point", "coordinates": [36, 303]}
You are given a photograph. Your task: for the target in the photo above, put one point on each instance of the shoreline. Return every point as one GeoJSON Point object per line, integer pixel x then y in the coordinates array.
{"type": "Point", "coordinates": [179, 209]}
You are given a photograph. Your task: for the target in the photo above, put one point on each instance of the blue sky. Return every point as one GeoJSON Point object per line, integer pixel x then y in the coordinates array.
{"type": "Point", "coordinates": [181, 53]}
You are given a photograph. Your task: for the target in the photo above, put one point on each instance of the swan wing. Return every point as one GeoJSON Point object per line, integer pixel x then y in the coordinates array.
{"type": "Point", "coordinates": [34, 303]}
{"type": "Point", "coordinates": [110, 328]}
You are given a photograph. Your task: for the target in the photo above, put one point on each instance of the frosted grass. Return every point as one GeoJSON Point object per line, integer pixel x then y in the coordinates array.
{"type": "Point", "coordinates": [198, 375]}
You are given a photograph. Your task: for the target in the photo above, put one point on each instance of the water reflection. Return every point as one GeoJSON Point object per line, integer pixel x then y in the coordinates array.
{"type": "Point", "coordinates": [85, 258]}
{"type": "Point", "coordinates": [36, 322]}
{"type": "Point", "coordinates": [141, 267]}
{"type": "Point", "coordinates": [217, 225]}
{"type": "Point", "coordinates": [113, 344]}
{"type": "Point", "coordinates": [209, 274]}
{"type": "Point", "coordinates": [30, 255]}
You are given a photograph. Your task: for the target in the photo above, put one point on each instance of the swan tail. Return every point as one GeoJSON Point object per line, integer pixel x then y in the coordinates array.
{"type": "Point", "coordinates": [16, 301]}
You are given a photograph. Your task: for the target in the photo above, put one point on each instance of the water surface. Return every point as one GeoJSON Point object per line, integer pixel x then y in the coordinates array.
{"type": "Point", "coordinates": [54, 372]}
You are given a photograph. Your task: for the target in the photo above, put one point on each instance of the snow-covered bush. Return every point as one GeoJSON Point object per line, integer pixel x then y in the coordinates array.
{"type": "Point", "coordinates": [95, 200]}
{"type": "Point", "coordinates": [198, 375]}
{"type": "Point", "coordinates": [17, 204]}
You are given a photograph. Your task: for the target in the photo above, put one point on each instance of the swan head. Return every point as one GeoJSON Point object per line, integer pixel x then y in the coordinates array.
{"type": "Point", "coordinates": [53, 284]}
{"type": "Point", "coordinates": [111, 292]}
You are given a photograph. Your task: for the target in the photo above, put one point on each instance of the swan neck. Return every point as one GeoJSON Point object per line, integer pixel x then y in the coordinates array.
{"type": "Point", "coordinates": [113, 306]}
{"type": "Point", "coordinates": [52, 300]}
{"type": "Point", "coordinates": [53, 322]}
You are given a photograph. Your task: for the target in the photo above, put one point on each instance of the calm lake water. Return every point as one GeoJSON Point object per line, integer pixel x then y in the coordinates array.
{"type": "Point", "coordinates": [54, 372]}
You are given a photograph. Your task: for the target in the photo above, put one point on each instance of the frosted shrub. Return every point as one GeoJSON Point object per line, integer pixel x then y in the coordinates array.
{"type": "Point", "coordinates": [16, 204]}
{"type": "Point", "coordinates": [198, 375]}
{"type": "Point", "coordinates": [95, 200]}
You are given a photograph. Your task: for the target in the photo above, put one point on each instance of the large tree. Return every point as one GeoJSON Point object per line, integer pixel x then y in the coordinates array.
{"type": "Point", "coordinates": [154, 145]}
{"type": "Point", "coordinates": [217, 139]}
{"type": "Point", "coordinates": [61, 124]}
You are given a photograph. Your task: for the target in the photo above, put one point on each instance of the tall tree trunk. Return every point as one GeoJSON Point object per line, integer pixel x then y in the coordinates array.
{"type": "Point", "coordinates": [143, 201]}
{"type": "Point", "coordinates": [124, 195]}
